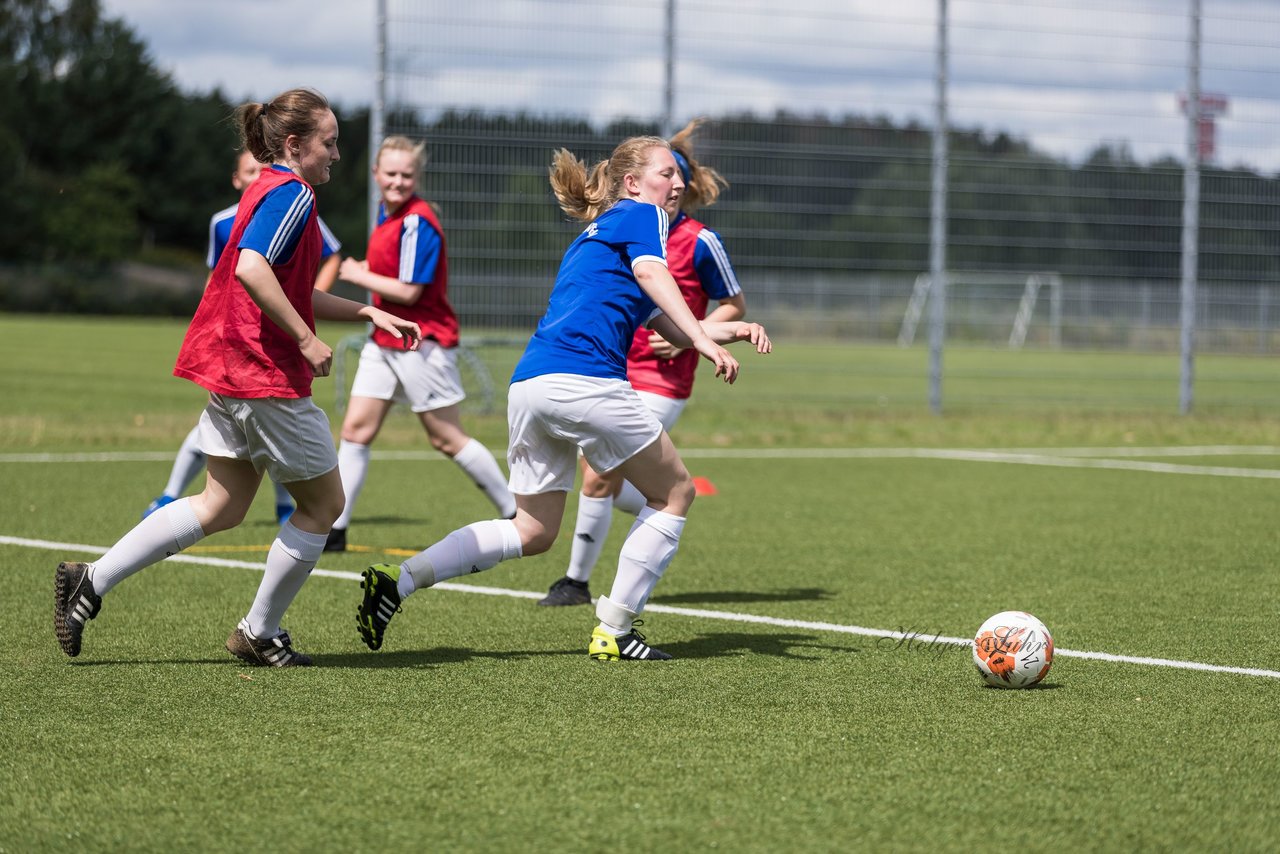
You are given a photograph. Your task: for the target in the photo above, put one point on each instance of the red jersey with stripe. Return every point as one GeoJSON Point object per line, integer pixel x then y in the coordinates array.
{"type": "Point", "coordinates": [231, 347]}
{"type": "Point", "coordinates": [395, 247]}
{"type": "Point", "coordinates": [700, 266]}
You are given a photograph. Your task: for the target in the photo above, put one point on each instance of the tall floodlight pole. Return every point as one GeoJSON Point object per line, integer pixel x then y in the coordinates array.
{"type": "Point", "coordinates": [938, 223]}
{"type": "Point", "coordinates": [1190, 214]}
{"type": "Point", "coordinates": [669, 77]}
{"type": "Point", "coordinates": [377, 112]}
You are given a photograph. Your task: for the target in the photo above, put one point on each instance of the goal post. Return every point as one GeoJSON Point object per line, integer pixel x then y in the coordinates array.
{"type": "Point", "coordinates": [984, 304]}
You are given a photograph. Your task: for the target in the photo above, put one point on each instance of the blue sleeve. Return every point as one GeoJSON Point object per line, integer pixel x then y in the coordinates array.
{"type": "Point", "coordinates": [329, 242]}
{"type": "Point", "coordinates": [419, 251]}
{"type": "Point", "coordinates": [276, 226]}
{"type": "Point", "coordinates": [644, 233]}
{"type": "Point", "coordinates": [711, 262]}
{"type": "Point", "coordinates": [219, 233]}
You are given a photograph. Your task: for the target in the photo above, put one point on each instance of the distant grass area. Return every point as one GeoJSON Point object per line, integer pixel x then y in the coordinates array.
{"type": "Point", "coordinates": [802, 394]}
{"type": "Point", "coordinates": [482, 725]}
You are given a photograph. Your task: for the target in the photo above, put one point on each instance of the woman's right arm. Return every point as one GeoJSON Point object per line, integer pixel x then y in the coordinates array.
{"type": "Point", "coordinates": [260, 282]}
{"type": "Point", "coordinates": [357, 273]}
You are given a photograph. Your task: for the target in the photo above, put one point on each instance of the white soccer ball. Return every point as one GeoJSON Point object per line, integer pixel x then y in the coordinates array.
{"type": "Point", "coordinates": [1012, 650]}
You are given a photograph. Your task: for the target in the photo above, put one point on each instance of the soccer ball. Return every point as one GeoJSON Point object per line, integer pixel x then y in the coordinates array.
{"type": "Point", "coordinates": [1012, 650]}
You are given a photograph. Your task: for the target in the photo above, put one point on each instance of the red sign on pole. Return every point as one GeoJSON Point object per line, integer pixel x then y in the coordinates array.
{"type": "Point", "coordinates": [1212, 104]}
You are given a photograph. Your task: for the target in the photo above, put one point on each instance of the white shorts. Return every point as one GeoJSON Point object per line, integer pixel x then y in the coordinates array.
{"type": "Point", "coordinates": [423, 379]}
{"type": "Point", "coordinates": [666, 409]}
{"type": "Point", "coordinates": [287, 438]}
{"type": "Point", "coordinates": [551, 417]}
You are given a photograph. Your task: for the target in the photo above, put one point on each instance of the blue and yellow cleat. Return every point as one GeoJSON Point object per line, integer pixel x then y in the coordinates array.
{"type": "Point", "coordinates": [629, 647]}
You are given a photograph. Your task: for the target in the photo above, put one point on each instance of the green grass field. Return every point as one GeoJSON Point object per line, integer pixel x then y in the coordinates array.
{"type": "Point", "coordinates": [792, 719]}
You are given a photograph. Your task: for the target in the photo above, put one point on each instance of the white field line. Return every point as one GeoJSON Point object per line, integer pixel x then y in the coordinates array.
{"type": "Point", "coordinates": [1097, 458]}
{"type": "Point", "coordinates": [700, 613]}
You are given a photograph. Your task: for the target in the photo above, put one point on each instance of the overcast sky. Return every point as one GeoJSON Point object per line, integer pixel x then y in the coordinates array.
{"type": "Point", "coordinates": [1067, 74]}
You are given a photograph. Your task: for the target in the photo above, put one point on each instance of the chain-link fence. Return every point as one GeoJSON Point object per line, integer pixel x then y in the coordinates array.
{"type": "Point", "coordinates": [1066, 152]}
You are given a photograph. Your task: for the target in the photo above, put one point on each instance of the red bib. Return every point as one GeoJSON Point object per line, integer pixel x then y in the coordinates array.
{"type": "Point", "coordinates": [231, 347]}
{"type": "Point", "coordinates": [672, 377]}
{"type": "Point", "coordinates": [432, 311]}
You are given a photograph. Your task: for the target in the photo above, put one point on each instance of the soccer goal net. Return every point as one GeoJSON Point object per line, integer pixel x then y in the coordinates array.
{"type": "Point", "coordinates": [991, 308]}
{"type": "Point", "coordinates": [477, 378]}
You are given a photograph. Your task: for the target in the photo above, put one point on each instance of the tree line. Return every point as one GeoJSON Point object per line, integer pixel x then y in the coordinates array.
{"type": "Point", "coordinates": [109, 161]}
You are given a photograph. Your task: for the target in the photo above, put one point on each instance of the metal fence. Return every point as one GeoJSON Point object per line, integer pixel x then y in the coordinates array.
{"type": "Point", "coordinates": [1067, 145]}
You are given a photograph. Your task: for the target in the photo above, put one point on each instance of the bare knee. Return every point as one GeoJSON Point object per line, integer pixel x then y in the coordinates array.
{"type": "Point", "coordinates": [535, 538]}
{"type": "Point", "coordinates": [599, 486]}
{"type": "Point", "coordinates": [215, 516]}
{"type": "Point", "coordinates": [360, 433]}
{"type": "Point", "coordinates": [447, 445]}
{"type": "Point", "coordinates": [323, 510]}
{"type": "Point", "coordinates": [538, 544]}
{"type": "Point", "coordinates": [682, 499]}
{"type": "Point", "coordinates": [681, 496]}
{"type": "Point", "coordinates": [363, 421]}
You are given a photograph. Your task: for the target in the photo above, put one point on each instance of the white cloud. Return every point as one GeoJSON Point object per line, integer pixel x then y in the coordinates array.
{"type": "Point", "coordinates": [1066, 75]}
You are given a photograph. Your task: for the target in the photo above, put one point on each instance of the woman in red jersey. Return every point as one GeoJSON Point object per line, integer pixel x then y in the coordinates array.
{"type": "Point", "coordinates": [407, 271]}
{"type": "Point", "coordinates": [252, 345]}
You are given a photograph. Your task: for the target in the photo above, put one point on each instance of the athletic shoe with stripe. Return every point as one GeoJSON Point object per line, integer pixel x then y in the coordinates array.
{"type": "Point", "coordinates": [629, 647]}
{"type": "Point", "coordinates": [74, 604]}
{"type": "Point", "coordinates": [566, 591]}
{"type": "Point", "coordinates": [265, 652]}
{"type": "Point", "coordinates": [381, 602]}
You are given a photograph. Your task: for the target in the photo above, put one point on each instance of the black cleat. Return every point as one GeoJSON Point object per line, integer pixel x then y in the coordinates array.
{"type": "Point", "coordinates": [381, 602]}
{"type": "Point", "coordinates": [567, 591]}
{"type": "Point", "coordinates": [74, 604]}
{"type": "Point", "coordinates": [266, 652]}
{"type": "Point", "coordinates": [336, 541]}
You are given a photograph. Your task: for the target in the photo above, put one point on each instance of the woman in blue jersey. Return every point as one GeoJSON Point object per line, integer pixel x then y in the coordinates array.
{"type": "Point", "coordinates": [663, 375]}
{"type": "Point", "coordinates": [569, 393]}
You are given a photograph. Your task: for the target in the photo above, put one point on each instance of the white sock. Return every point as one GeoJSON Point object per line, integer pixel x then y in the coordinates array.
{"type": "Point", "coordinates": [589, 534]}
{"type": "Point", "coordinates": [282, 494]}
{"type": "Point", "coordinates": [165, 532]}
{"type": "Point", "coordinates": [645, 556]}
{"type": "Point", "coordinates": [475, 548]}
{"type": "Point", "coordinates": [186, 466]}
{"type": "Point", "coordinates": [630, 500]}
{"type": "Point", "coordinates": [480, 466]}
{"type": "Point", "coordinates": [405, 583]}
{"type": "Point", "coordinates": [614, 618]}
{"type": "Point", "coordinates": [291, 559]}
{"type": "Point", "coordinates": [353, 467]}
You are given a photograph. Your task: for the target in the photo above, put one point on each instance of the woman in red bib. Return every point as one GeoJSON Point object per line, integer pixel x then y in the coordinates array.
{"type": "Point", "coordinates": [407, 271]}
{"type": "Point", "coordinates": [252, 345]}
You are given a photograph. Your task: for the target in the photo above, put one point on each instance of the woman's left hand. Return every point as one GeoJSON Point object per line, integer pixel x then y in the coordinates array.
{"type": "Point", "coordinates": [755, 333]}
{"type": "Point", "coordinates": [406, 330]}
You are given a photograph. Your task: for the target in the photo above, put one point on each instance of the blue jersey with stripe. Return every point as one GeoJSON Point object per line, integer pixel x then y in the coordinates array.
{"type": "Point", "coordinates": [711, 261]}
{"type": "Point", "coordinates": [275, 228]}
{"type": "Point", "coordinates": [596, 304]}
{"type": "Point", "coordinates": [420, 248]}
